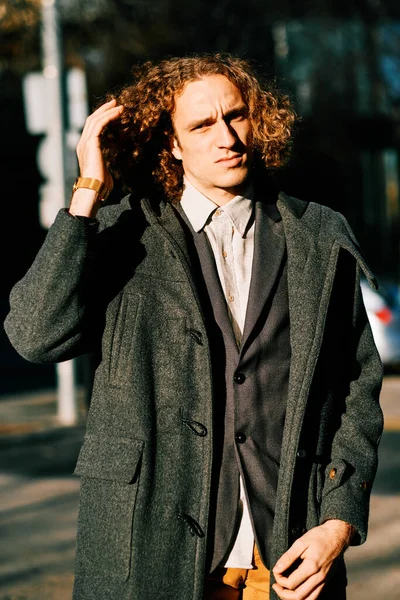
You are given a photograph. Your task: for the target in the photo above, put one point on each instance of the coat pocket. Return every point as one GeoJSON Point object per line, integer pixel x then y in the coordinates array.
{"type": "Point", "coordinates": [110, 471]}
{"type": "Point", "coordinates": [123, 339]}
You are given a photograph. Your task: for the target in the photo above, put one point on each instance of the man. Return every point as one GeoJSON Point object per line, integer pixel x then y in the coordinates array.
{"type": "Point", "coordinates": [232, 435]}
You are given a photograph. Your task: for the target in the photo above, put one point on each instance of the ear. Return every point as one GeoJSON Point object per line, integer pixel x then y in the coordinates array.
{"type": "Point", "coordinates": [175, 148]}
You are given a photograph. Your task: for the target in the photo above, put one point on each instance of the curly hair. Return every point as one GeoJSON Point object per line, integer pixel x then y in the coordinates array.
{"type": "Point", "coordinates": [136, 147]}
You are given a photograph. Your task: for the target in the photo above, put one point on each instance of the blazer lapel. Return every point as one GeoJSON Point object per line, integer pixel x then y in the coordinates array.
{"type": "Point", "coordinates": [215, 291]}
{"type": "Point", "coordinates": [269, 249]}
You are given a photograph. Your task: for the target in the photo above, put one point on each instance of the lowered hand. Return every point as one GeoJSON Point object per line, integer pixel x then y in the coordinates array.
{"type": "Point", "coordinates": [316, 549]}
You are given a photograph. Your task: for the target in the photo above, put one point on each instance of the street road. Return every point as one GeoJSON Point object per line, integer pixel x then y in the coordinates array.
{"type": "Point", "coordinates": [38, 510]}
{"type": "Point", "coordinates": [374, 567]}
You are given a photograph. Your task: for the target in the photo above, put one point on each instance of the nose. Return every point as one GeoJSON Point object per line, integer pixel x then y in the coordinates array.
{"type": "Point", "coordinates": [226, 136]}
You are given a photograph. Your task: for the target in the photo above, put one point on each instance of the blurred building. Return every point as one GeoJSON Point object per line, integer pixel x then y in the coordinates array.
{"type": "Point", "coordinates": [344, 76]}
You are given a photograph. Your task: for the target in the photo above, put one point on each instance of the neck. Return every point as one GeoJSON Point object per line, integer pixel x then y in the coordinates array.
{"type": "Point", "coordinates": [221, 196]}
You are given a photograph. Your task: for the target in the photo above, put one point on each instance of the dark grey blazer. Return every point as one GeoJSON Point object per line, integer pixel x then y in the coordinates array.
{"type": "Point", "coordinates": [125, 287]}
{"type": "Point", "coordinates": [250, 385]}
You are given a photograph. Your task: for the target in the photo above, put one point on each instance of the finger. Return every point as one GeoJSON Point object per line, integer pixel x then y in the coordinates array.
{"type": "Point", "coordinates": [308, 591]}
{"type": "Point", "coordinates": [306, 569]}
{"type": "Point", "coordinates": [105, 106]}
{"type": "Point", "coordinates": [289, 557]}
{"type": "Point", "coordinates": [316, 592]}
{"type": "Point", "coordinates": [284, 595]}
{"type": "Point", "coordinates": [95, 123]}
{"type": "Point", "coordinates": [91, 134]}
{"type": "Point", "coordinates": [102, 109]}
{"type": "Point", "coordinates": [103, 117]}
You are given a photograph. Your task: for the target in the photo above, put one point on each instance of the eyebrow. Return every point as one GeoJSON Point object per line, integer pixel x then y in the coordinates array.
{"type": "Point", "coordinates": [233, 112]}
{"type": "Point", "coordinates": [194, 124]}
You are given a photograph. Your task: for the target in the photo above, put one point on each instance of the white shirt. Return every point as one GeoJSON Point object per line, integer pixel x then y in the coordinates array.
{"type": "Point", "coordinates": [231, 234]}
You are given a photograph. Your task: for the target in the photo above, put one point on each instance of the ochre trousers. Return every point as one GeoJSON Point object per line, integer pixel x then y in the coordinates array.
{"type": "Point", "coordinates": [239, 584]}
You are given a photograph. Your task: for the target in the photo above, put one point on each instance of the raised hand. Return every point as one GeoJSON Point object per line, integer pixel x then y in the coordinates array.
{"type": "Point", "coordinates": [91, 164]}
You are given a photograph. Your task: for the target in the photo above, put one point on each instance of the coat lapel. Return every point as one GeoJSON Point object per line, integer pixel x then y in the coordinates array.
{"type": "Point", "coordinates": [311, 270]}
{"type": "Point", "coordinates": [269, 249]}
{"type": "Point", "coordinates": [168, 219]}
{"type": "Point", "coordinates": [166, 216]}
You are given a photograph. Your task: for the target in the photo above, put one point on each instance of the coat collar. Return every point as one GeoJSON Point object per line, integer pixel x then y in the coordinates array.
{"type": "Point", "coordinates": [166, 217]}
{"type": "Point", "coordinates": [301, 218]}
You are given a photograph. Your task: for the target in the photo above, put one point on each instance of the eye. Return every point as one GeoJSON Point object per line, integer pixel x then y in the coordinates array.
{"type": "Point", "coordinates": [201, 126]}
{"type": "Point", "coordinates": [239, 116]}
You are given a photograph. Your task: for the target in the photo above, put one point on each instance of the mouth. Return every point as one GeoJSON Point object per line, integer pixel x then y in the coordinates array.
{"type": "Point", "coordinates": [230, 161]}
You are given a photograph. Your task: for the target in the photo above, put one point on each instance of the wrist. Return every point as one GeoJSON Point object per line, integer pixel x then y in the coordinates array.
{"type": "Point", "coordinates": [92, 183]}
{"type": "Point", "coordinates": [87, 195]}
{"type": "Point", "coordinates": [342, 528]}
{"type": "Point", "coordinates": [84, 203]}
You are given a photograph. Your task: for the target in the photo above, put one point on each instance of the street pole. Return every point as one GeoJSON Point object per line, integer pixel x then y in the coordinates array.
{"type": "Point", "coordinates": [55, 196]}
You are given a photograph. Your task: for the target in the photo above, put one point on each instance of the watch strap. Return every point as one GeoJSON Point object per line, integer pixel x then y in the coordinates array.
{"type": "Point", "coordinates": [92, 184]}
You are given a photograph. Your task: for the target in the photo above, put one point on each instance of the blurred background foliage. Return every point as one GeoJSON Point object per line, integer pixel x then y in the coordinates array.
{"type": "Point", "coordinates": [339, 60]}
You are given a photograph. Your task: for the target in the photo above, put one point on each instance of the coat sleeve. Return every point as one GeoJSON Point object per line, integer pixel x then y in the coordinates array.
{"type": "Point", "coordinates": [354, 460]}
{"type": "Point", "coordinates": [53, 313]}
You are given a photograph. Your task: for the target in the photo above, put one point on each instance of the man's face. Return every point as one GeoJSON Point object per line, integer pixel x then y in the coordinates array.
{"type": "Point", "coordinates": [213, 137]}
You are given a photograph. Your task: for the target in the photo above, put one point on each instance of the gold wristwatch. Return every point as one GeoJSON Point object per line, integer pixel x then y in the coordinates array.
{"type": "Point", "coordinates": [92, 184]}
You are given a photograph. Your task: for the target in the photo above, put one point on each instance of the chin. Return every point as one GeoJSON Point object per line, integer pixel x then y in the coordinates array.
{"type": "Point", "coordinates": [235, 180]}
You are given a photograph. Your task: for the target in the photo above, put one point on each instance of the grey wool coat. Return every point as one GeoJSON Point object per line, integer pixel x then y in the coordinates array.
{"type": "Point", "coordinates": [123, 287]}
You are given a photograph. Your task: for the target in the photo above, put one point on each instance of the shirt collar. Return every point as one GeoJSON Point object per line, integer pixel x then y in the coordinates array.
{"type": "Point", "coordinates": [199, 209]}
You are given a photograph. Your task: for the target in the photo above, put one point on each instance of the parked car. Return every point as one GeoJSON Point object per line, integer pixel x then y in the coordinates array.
{"type": "Point", "coordinates": [383, 309]}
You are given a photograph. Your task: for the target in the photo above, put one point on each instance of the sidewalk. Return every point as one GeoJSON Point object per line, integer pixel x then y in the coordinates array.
{"type": "Point", "coordinates": [39, 502]}
{"type": "Point", "coordinates": [34, 415]}
{"type": "Point", "coordinates": [390, 401]}
{"type": "Point", "coordinates": [38, 497]}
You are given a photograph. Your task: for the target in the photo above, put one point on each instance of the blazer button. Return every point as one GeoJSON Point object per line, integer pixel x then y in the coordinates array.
{"type": "Point", "coordinates": [297, 531]}
{"type": "Point", "coordinates": [239, 378]}
{"type": "Point", "coordinates": [240, 437]}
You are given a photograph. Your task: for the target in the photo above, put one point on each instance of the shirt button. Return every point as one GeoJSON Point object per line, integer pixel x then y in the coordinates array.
{"type": "Point", "coordinates": [231, 298]}
{"type": "Point", "coordinates": [240, 437]}
{"type": "Point", "coordinates": [239, 378]}
{"type": "Point", "coordinates": [218, 213]}
{"type": "Point", "coordinates": [224, 254]}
